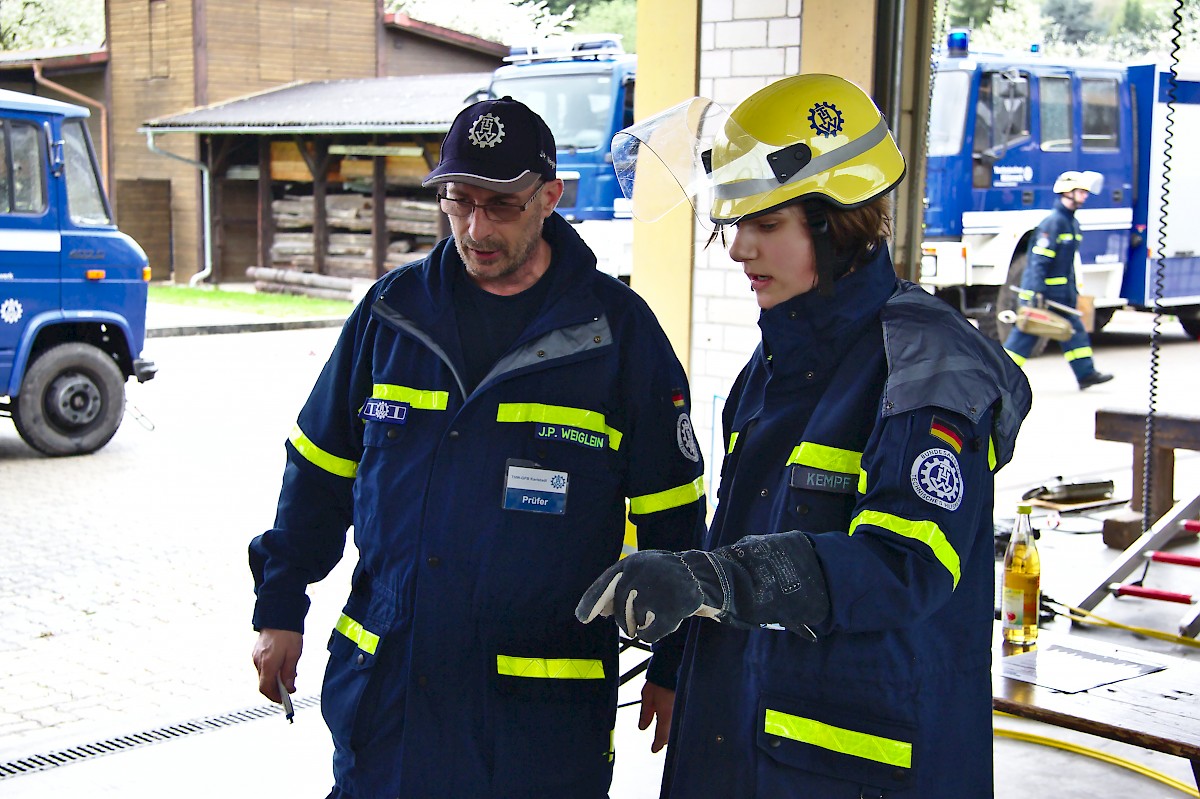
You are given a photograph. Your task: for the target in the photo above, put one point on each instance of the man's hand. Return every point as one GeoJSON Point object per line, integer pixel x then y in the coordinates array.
{"type": "Point", "coordinates": [657, 701]}
{"type": "Point", "coordinates": [650, 593]}
{"type": "Point", "coordinates": [276, 652]}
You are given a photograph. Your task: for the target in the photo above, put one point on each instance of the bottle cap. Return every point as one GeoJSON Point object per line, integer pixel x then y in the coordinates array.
{"type": "Point", "coordinates": [1025, 509]}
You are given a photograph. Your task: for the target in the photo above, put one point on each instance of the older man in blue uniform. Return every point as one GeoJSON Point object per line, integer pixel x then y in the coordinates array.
{"type": "Point", "coordinates": [482, 422]}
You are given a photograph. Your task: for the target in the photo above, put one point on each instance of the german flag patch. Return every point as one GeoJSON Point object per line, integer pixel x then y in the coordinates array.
{"type": "Point", "coordinates": [677, 397]}
{"type": "Point", "coordinates": [948, 433]}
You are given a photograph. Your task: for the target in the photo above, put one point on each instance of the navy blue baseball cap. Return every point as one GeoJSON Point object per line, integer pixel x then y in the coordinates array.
{"type": "Point", "coordinates": [500, 145]}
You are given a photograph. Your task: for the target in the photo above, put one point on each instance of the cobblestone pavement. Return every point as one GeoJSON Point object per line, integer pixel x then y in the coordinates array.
{"type": "Point", "coordinates": [127, 597]}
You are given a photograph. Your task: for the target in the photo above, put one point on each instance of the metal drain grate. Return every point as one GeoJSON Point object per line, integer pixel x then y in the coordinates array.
{"type": "Point", "coordinates": [123, 743]}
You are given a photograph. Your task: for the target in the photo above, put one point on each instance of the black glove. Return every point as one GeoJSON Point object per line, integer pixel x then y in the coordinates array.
{"type": "Point", "coordinates": [652, 592]}
{"type": "Point", "coordinates": [762, 579]}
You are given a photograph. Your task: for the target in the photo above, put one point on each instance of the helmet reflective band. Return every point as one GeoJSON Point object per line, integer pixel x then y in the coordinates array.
{"type": "Point", "coordinates": [815, 136]}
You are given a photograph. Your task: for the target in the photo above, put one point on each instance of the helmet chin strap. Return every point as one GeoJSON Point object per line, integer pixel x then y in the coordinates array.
{"type": "Point", "coordinates": [830, 266]}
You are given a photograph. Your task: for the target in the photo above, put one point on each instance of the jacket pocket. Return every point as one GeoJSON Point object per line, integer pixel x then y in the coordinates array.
{"type": "Point", "coordinates": [837, 741]}
{"type": "Point", "coordinates": [554, 719]}
{"type": "Point", "coordinates": [352, 697]}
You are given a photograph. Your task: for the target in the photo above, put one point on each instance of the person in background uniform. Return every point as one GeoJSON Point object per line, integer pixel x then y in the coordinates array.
{"type": "Point", "coordinates": [1050, 273]}
{"type": "Point", "coordinates": [845, 587]}
{"type": "Point", "coordinates": [481, 422]}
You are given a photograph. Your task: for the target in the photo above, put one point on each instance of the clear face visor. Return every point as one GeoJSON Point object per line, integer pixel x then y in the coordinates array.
{"type": "Point", "coordinates": [696, 153]}
{"type": "Point", "coordinates": [667, 160]}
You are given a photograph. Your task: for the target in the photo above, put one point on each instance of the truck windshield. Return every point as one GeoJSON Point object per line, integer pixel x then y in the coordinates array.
{"type": "Point", "coordinates": [84, 196]}
{"type": "Point", "coordinates": [578, 108]}
{"type": "Point", "coordinates": [947, 119]}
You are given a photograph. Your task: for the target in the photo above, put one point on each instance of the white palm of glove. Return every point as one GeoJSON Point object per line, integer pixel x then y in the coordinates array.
{"type": "Point", "coordinates": [654, 592]}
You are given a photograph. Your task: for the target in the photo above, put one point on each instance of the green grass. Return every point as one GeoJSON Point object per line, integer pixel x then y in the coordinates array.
{"type": "Point", "coordinates": [249, 302]}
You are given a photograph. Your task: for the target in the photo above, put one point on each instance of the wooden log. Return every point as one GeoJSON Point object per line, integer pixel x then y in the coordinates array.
{"type": "Point", "coordinates": [296, 278]}
{"type": "Point", "coordinates": [307, 291]}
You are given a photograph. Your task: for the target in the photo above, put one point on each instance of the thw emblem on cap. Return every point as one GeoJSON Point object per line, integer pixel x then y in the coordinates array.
{"type": "Point", "coordinates": [486, 131]}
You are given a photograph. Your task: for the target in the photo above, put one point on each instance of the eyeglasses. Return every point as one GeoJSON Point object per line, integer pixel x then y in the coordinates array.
{"type": "Point", "coordinates": [496, 212]}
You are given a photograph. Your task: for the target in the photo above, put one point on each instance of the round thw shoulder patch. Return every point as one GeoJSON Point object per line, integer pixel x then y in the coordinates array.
{"type": "Point", "coordinates": [937, 479]}
{"type": "Point", "coordinates": [686, 437]}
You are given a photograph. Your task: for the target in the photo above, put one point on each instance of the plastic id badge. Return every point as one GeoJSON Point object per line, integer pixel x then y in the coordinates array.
{"type": "Point", "coordinates": [529, 487]}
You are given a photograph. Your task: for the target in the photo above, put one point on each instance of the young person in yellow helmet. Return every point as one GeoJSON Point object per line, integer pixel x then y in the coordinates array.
{"type": "Point", "coordinates": [844, 595]}
{"type": "Point", "coordinates": [1050, 273]}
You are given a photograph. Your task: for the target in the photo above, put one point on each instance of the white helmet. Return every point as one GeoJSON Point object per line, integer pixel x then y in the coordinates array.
{"type": "Point", "coordinates": [1091, 182]}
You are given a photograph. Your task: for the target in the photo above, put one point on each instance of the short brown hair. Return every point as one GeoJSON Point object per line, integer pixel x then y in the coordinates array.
{"type": "Point", "coordinates": [860, 232]}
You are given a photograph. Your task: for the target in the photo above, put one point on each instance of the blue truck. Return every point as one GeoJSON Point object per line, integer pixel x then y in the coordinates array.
{"type": "Point", "coordinates": [583, 87]}
{"type": "Point", "coordinates": [73, 288]}
{"type": "Point", "coordinates": [1004, 126]}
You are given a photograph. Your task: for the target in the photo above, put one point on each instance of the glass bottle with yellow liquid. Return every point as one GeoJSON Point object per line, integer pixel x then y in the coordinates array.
{"type": "Point", "coordinates": [1021, 595]}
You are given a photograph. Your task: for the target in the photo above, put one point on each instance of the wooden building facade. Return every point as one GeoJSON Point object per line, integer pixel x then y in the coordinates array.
{"type": "Point", "coordinates": [165, 57]}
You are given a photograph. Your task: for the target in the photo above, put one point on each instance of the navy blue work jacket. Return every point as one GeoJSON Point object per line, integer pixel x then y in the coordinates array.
{"type": "Point", "coordinates": [872, 421]}
{"type": "Point", "coordinates": [1050, 269]}
{"type": "Point", "coordinates": [458, 668]}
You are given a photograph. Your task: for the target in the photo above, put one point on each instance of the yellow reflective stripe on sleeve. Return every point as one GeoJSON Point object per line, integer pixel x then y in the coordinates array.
{"type": "Point", "coordinates": [1044, 251]}
{"type": "Point", "coordinates": [732, 442]}
{"type": "Point", "coordinates": [1056, 281]}
{"type": "Point", "coordinates": [830, 459]}
{"type": "Point", "coordinates": [991, 454]}
{"type": "Point", "coordinates": [550, 668]}
{"type": "Point", "coordinates": [1026, 294]}
{"type": "Point", "coordinates": [838, 739]}
{"type": "Point", "coordinates": [558, 414]}
{"type": "Point", "coordinates": [318, 457]}
{"type": "Point", "coordinates": [1067, 237]}
{"type": "Point", "coordinates": [366, 640]}
{"type": "Point", "coordinates": [417, 398]}
{"type": "Point", "coordinates": [862, 481]}
{"type": "Point", "coordinates": [927, 533]}
{"type": "Point", "coordinates": [671, 498]}
{"type": "Point", "coordinates": [1077, 353]}
{"type": "Point", "coordinates": [1019, 360]}
{"type": "Point", "coordinates": [629, 544]}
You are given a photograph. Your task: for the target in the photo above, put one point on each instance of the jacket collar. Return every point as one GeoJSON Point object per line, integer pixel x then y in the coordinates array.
{"type": "Point", "coordinates": [813, 332]}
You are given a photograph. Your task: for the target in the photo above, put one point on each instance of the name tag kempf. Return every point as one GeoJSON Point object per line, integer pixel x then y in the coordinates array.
{"type": "Point", "coordinates": [535, 490]}
{"type": "Point", "coordinates": [822, 480]}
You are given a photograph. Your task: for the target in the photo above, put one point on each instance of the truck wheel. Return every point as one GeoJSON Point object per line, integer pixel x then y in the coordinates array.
{"type": "Point", "coordinates": [1191, 326]}
{"type": "Point", "coordinates": [1007, 300]}
{"type": "Point", "coordinates": [71, 401]}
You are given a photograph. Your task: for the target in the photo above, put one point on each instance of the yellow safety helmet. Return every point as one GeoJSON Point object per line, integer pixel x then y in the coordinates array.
{"type": "Point", "coordinates": [806, 136]}
{"type": "Point", "coordinates": [1091, 182]}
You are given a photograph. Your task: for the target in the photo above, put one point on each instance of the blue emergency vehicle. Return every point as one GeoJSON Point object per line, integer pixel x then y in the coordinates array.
{"type": "Point", "coordinates": [73, 288]}
{"type": "Point", "coordinates": [1003, 127]}
{"type": "Point", "coordinates": [583, 87]}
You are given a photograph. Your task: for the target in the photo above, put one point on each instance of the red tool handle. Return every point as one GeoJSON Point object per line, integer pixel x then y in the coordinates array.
{"type": "Point", "coordinates": [1153, 593]}
{"type": "Point", "coordinates": [1172, 557]}
{"type": "Point", "coordinates": [1191, 525]}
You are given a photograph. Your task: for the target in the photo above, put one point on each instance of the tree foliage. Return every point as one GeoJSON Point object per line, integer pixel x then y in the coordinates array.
{"type": "Point", "coordinates": [36, 24]}
{"type": "Point", "coordinates": [609, 16]}
{"type": "Point", "coordinates": [506, 21]}
{"type": "Point", "coordinates": [1137, 30]}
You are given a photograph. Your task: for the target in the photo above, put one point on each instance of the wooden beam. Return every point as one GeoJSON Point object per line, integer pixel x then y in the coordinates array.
{"type": "Point", "coordinates": [318, 165]}
{"type": "Point", "coordinates": [1171, 432]}
{"type": "Point", "coordinates": [266, 215]}
{"type": "Point", "coordinates": [379, 231]}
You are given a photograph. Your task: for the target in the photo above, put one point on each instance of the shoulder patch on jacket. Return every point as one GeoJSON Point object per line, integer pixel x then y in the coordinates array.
{"type": "Point", "coordinates": [686, 438]}
{"type": "Point", "coordinates": [937, 478]}
{"type": "Point", "coordinates": [940, 428]}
